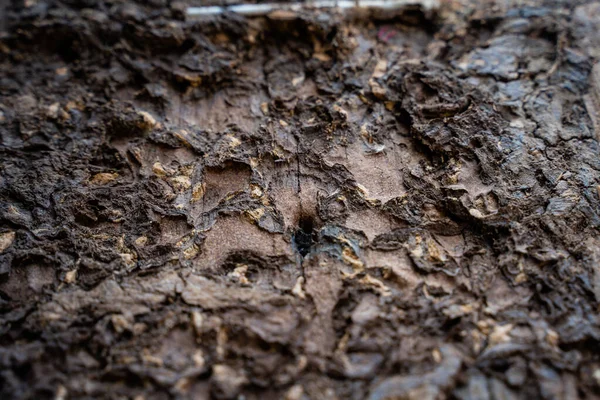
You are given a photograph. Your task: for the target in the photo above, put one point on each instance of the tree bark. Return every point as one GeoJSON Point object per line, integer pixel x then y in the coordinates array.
{"type": "Point", "coordinates": [309, 204]}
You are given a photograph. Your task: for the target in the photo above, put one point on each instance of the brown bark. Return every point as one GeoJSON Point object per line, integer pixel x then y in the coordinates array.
{"type": "Point", "coordinates": [307, 205]}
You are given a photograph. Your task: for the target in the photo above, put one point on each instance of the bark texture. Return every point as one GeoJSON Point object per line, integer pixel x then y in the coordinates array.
{"type": "Point", "coordinates": [300, 206]}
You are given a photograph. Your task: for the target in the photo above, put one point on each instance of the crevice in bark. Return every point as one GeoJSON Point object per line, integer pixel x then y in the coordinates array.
{"type": "Point", "coordinates": [305, 235]}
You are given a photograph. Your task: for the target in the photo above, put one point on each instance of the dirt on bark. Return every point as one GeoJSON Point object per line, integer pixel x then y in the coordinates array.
{"type": "Point", "coordinates": [303, 205]}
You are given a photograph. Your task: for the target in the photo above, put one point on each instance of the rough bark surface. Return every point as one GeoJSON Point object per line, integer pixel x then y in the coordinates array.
{"type": "Point", "coordinates": [300, 206]}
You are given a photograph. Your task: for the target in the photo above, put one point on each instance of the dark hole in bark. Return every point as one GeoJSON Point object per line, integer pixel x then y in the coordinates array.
{"type": "Point", "coordinates": [476, 142]}
{"type": "Point", "coordinates": [304, 235]}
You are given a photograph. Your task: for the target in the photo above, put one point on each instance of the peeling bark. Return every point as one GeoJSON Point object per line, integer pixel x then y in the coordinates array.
{"type": "Point", "coordinates": [302, 205]}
